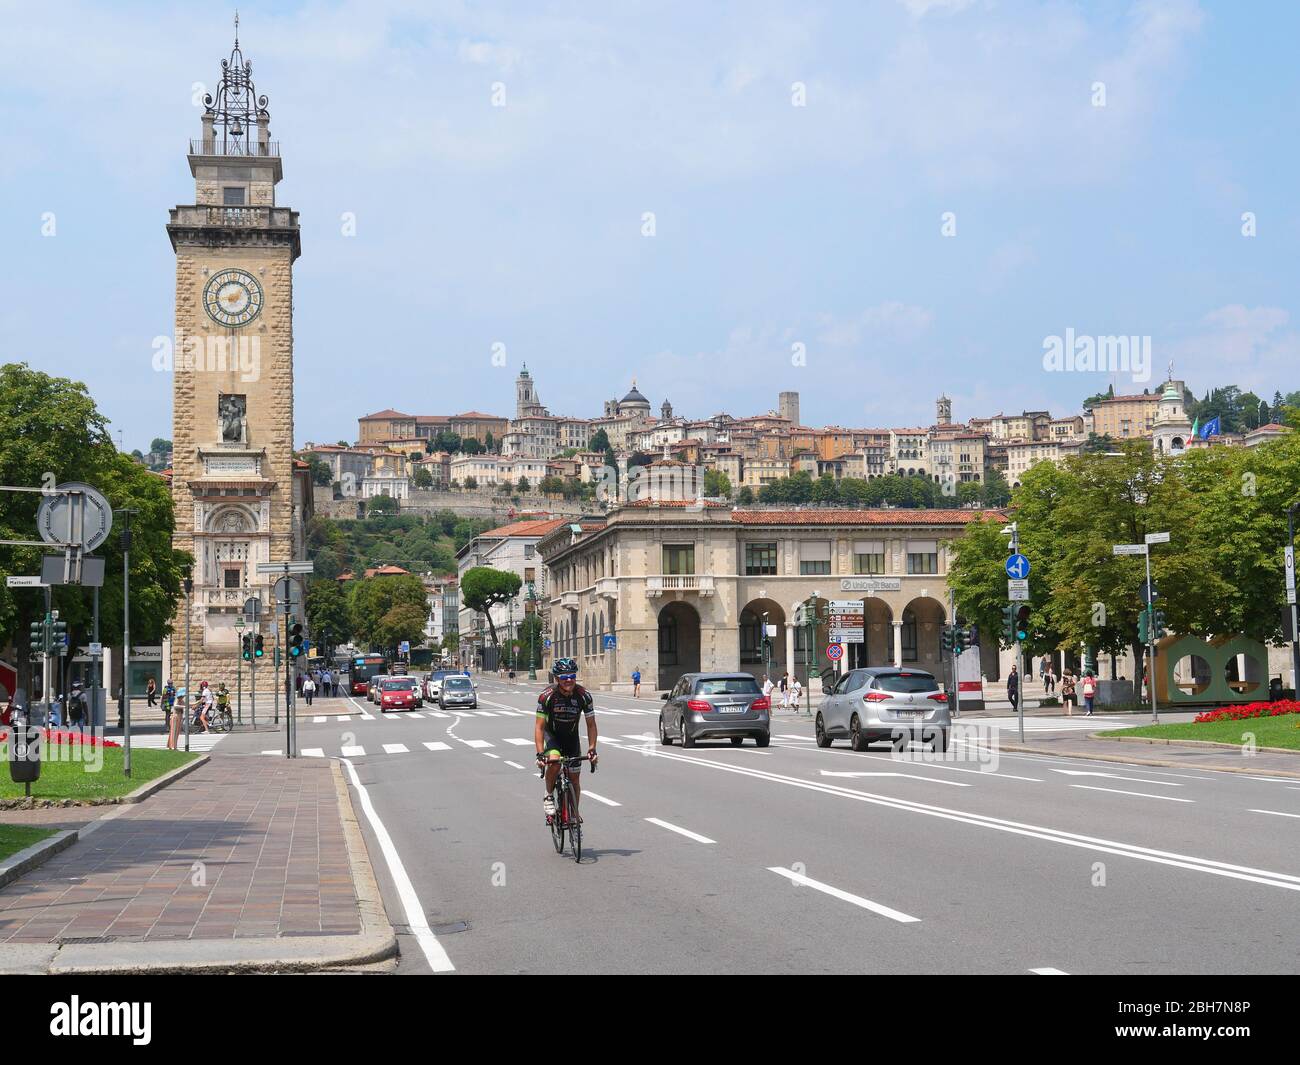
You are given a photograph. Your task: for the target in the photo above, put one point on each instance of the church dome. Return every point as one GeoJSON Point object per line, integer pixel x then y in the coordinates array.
{"type": "Point", "coordinates": [634, 397]}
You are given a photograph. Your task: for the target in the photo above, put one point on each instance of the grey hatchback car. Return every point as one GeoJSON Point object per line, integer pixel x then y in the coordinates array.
{"type": "Point", "coordinates": [722, 706]}
{"type": "Point", "coordinates": [884, 703]}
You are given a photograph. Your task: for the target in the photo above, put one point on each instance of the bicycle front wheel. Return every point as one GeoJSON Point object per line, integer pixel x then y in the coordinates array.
{"type": "Point", "coordinates": [557, 825]}
{"type": "Point", "coordinates": [575, 836]}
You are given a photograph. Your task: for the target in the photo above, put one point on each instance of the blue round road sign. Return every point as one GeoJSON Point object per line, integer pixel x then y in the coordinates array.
{"type": "Point", "coordinates": [1017, 567]}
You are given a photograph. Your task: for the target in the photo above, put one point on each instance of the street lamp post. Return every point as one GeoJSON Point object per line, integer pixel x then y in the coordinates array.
{"type": "Point", "coordinates": [125, 704]}
{"type": "Point", "coordinates": [532, 633]}
{"type": "Point", "coordinates": [767, 664]}
{"type": "Point", "coordinates": [811, 618]}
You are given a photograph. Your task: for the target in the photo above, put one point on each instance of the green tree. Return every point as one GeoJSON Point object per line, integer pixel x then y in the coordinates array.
{"type": "Point", "coordinates": [599, 441]}
{"type": "Point", "coordinates": [423, 478]}
{"type": "Point", "coordinates": [160, 445]}
{"type": "Point", "coordinates": [745, 497]}
{"type": "Point", "coordinates": [371, 600]}
{"type": "Point", "coordinates": [483, 587]}
{"type": "Point", "coordinates": [551, 485]}
{"type": "Point", "coordinates": [826, 490]}
{"type": "Point", "coordinates": [381, 504]}
{"type": "Point", "coordinates": [471, 482]}
{"type": "Point", "coordinates": [319, 470]}
{"type": "Point", "coordinates": [717, 484]}
{"type": "Point", "coordinates": [328, 614]}
{"type": "Point", "coordinates": [523, 484]}
{"type": "Point", "coordinates": [997, 493]}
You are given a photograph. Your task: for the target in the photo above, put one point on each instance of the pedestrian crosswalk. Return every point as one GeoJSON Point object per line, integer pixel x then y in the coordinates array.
{"type": "Point", "coordinates": [199, 741]}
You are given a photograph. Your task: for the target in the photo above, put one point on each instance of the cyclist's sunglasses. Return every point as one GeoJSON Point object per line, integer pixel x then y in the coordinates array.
{"type": "Point", "coordinates": [566, 676]}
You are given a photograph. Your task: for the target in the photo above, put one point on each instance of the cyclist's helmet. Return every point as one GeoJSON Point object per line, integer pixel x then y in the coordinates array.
{"type": "Point", "coordinates": [565, 667]}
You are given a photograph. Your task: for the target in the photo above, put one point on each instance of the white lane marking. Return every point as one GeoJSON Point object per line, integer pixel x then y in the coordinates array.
{"type": "Point", "coordinates": [318, 721]}
{"type": "Point", "coordinates": [415, 919]}
{"type": "Point", "coordinates": [395, 748]}
{"type": "Point", "coordinates": [273, 752]}
{"type": "Point", "coordinates": [344, 717]}
{"type": "Point", "coordinates": [953, 768]}
{"type": "Point", "coordinates": [789, 736]}
{"type": "Point", "coordinates": [354, 752]}
{"type": "Point", "coordinates": [1267, 877]}
{"type": "Point", "coordinates": [587, 793]}
{"type": "Point", "coordinates": [1114, 776]}
{"type": "Point", "coordinates": [1048, 972]}
{"type": "Point", "coordinates": [490, 755]}
{"type": "Point", "coordinates": [1274, 780]}
{"type": "Point", "coordinates": [640, 736]}
{"type": "Point", "coordinates": [519, 742]}
{"type": "Point", "coordinates": [438, 713]}
{"type": "Point", "coordinates": [476, 744]}
{"type": "Point", "coordinates": [313, 752]}
{"type": "Point", "coordinates": [1139, 794]}
{"type": "Point", "coordinates": [485, 713]}
{"type": "Point", "coordinates": [844, 896]}
{"type": "Point", "coordinates": [414, 713]}
{"type": "Point", "coordinates": [1275, 813]}
{"type": "Point", "coordinates": [435, 745]}
{"type": "Point", "coordinates": [515, 764]}
{"type": "Point", "coordinates": [681, 831]}
{"type": "Point", "coordinates": [366, 717]}
{"type": "Point", "coordinates": [909, 776]}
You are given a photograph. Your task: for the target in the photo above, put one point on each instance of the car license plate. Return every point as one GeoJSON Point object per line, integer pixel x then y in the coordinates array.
{"type": "Point", "coordinates": [911, 713]}
{"type": "Point", "coordinates": [731, 709]}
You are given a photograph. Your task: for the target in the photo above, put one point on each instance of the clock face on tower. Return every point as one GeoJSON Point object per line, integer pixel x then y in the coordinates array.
{"type": "Point", "coordinates": [232, 298]}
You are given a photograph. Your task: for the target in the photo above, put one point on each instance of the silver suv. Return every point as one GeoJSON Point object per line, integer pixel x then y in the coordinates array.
{"type": "Point", "coordinates": [884, 703]}
{"type": "Point", "coordinates": [716, 706]}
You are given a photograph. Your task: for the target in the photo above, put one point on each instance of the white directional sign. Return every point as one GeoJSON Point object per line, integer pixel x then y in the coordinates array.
{"type": "Point", "coordinates": [1129, 549]}
{"type": "Point", "coordinates": [24, 582]}
{"type": "Point", "coordinates": [1157, 538]}
{"type": "Point", "coordinates": [95, 649]}
{"type": "Point", "coordinates": [846, 621]}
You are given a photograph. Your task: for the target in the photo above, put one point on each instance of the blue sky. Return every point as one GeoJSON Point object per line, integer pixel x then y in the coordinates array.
{"type": "Point", "coordinates": [775, 225]}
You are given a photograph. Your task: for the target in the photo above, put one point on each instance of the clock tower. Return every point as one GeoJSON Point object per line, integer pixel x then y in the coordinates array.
{"type": "Point", "coordinates": [232, 417]}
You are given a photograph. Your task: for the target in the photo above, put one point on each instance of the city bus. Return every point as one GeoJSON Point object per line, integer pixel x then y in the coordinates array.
{"type": "Point", "coordinates": [364, 668]}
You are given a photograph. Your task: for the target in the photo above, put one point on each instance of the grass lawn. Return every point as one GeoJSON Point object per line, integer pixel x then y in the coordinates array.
{"type": "Point", "coordinates": [95, 780]}
{"type": "Point", "coordinates": [14, 838]}
{"type": "Point", "coordinates": [1282, 731]}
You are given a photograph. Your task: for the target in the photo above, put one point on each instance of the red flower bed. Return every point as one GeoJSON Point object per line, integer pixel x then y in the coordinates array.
{"type": "Point", "coordinates": [63, 736]}
{"type": "Point", "coordinates": [1250, 710]}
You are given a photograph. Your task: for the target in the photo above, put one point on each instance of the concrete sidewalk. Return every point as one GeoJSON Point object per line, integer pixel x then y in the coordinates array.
{"type": "Point", "coordinates": [247, 864]}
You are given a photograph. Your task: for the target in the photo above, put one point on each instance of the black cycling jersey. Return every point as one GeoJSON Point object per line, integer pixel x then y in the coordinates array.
{"type": "Point", "coordinates": [561, 712]}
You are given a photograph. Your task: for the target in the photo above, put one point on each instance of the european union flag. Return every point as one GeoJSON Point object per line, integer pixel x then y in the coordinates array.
{"type": "Point", "coordinates": [1210, 428]}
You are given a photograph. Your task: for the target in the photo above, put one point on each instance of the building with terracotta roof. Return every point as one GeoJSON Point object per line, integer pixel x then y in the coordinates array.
{"type": "Point", "coordinates": [683, 587]}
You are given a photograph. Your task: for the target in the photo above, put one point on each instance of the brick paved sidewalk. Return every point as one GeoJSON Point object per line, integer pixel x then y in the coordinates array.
{"type": "Point", "coordinates": [242, 848]}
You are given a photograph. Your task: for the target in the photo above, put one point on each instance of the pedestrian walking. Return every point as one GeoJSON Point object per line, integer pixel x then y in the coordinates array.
{"type": "Point", "coordinates": [1049, 678]}
{"type": "Point", "coordinates": [151, 692]}
{"type": "Point", "coordinates": [796, 689]}
{"type": "Point", "coordinates": [1089, 691]}
{"type": "Point", "coordinates": [297, 682]}
{"type": "Point", "coordinates": [767, 687]}
{"type": "Point", "coordinates": [326, 682]}
{"type": "Point", "coordinates": [308, 689]}
{"type": "Point", "coordinates": [1068, 696]}
{"type": "Point", "coordinates": [636, 683]}
{"type": "Point", "coordinates": [1013, 689]}
{"type": "Point", "coordinates": [335, 685]}
{"type": "Point", "coordinates": [77, 707]}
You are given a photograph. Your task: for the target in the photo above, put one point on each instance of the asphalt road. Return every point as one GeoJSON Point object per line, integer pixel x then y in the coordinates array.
{"type": "Point", "coordinates": [795, 859]}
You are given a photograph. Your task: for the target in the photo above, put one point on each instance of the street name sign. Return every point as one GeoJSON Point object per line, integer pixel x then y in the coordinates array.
{"type": "Point", "coordinates": [25, 582]}
{"type": "Point", "coordinates": [1129, 549]}
{"type": "Point", "coordinates": [1157, 538]}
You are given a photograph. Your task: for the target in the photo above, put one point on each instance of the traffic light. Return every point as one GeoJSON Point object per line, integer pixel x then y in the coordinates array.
{"type": "Point", "coordinates": [38, 638]}
{"type": "Point", "coordinates": [59, 637]}
{"type": "Point", "coordinates": [964, 640]}
{"type": "Point", "coordinates": [258, 650]}
{"type": "Point", "coordinates": [246, 647]}
{"type": "Point", "coordinates": [1144, 625]}
{"type": "Point", "coordinates": [1158, 632]}
{"type": "Point", "coordinates": [1009, 623]}
{"type": "Point", "coordinates": [945, 639]}
{"type": "Point", "coordinates": [1022, 623]}
{"type": "Point", "coordinates": [295, 640]}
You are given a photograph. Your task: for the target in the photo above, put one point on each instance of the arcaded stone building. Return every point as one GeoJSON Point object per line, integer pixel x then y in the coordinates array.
{"type": "Point", "coordinates": [689, 586]}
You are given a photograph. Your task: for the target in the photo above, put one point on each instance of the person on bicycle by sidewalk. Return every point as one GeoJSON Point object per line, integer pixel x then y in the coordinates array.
{"type": "Point", "coordinates": [223, 697]}
{"type": "Point", "coordinates": [556, 734]}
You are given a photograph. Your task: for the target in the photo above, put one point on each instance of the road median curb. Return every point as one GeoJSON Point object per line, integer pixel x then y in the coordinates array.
{"type": "Point", "coordinates": [24, 861]}
{"type": "Point", "coordinates": [1189, 743]}
{"type": "Point", "coordinates": [1160, 763]}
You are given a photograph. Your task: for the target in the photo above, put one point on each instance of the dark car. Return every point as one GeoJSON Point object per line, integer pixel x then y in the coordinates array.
{"type": "Point", "coordinates": [716, 706]}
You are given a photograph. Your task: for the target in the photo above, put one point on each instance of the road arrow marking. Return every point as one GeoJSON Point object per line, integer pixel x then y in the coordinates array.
{"type": "Point", "coordinates": [1113, 776]}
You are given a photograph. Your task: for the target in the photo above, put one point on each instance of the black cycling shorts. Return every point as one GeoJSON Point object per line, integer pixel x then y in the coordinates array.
{"type": "Point", "coordinates": [569, 745]}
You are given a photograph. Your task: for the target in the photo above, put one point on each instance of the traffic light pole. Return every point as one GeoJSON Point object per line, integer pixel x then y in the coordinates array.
{"type": "Point", "coordinates": [956, 682]}
{"type": "Point", "coordinates": [252, 675]}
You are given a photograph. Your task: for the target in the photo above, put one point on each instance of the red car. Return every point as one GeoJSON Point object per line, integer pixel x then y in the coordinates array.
{"type": "Point", "coordinates": [399, 693]}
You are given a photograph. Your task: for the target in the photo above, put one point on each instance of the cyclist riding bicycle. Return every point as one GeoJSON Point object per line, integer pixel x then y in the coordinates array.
{"type": "Point", "coordinates": [556, 735]}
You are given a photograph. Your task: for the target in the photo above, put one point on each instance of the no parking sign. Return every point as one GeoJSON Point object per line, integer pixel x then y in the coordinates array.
{"type": "Point", "coordinates": [834, 652]}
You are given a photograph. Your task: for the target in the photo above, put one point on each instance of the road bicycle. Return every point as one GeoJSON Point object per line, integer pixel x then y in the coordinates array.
{"type": "Point", "coordinates": [566, 819]}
